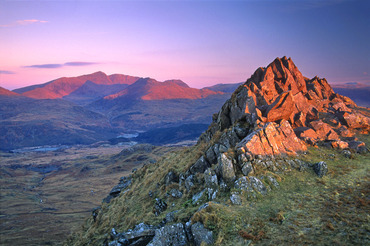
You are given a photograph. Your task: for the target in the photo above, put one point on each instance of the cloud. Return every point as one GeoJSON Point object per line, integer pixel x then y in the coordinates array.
{"type": "Point", "coordinates": [76, 64]}
{"type": "Point", "coordinates": [45, 66]}
{"type": "Point", "coordinates": [23, 23]}
{"type": "Point", "coordinates": [67, 64]}
{"type": "Point", "coordinates": [6, 72]}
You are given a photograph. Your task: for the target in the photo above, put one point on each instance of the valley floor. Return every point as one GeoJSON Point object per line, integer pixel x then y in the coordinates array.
{"type": "Point", "coordinates": [47, 195]}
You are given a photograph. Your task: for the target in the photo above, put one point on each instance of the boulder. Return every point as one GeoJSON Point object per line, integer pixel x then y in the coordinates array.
{"type": "Point", "coordinates": [175, 193]}
{"type": "Point", "coordinates": [159, 206]}
{"type": "Point", "coordinates": [281, 109]}
{"type": "Point", "coordinates": [320, 168]}
{"type": "Point", "coordinates": [357, 146]}
{"type": "Point", "coordinates": [258, 185]}
{"type": "Point", "coordinates": [123, 184]}
{"type": "Point", "coordinates": [247, 168]}
{"type": "Point", "coordinates": [226, 168]}
{"type": "Point", "coordinates": [200, 166]}
{"type": "Point", "coordinates": [171, 177]}
{"type": "Point", "coordinates": [356, 120]}
{"type": "Point", "coordinates": [170, 235]}
{"type": "Point", "coordinates": [339, 144]}
{"type": "Point", "coordinates": [210, 178]}
{"type": "Point", "coordinates": [201, 235]}
{"type": "Point", "coordinates": [307, 134]}
{"type": "Point", "coordinates": [189, 182]}
{"type": "Point", "coordinates": [272, 139]}
{"type": "Point", "coordinates": [195, 199]}
{"type": "Point", "coordinates": [235, 199]}
{"type": "Point", "coordinates": [323, 130]}
{"type": "Point", "coordinates": [243, 184]}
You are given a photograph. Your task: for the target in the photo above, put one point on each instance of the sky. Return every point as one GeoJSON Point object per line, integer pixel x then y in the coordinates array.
{"type": "Point", "coordinates": [200, 42]}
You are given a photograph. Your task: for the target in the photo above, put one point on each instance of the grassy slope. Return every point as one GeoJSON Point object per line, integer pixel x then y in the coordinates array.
{"type": "Point", "coordinates": [305, 209]}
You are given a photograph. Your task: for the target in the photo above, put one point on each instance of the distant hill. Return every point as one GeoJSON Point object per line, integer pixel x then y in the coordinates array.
{"type": "Point", "coordinates": [358, 92]}
{"type": "Point", "coordinates": [151, 89]}
{"type": "Point", "coordinates": [5, 92]}
{"type": "Point", "coordinates": [229, 88]}
{"type": "Point", "coordinates": [32, 122]}
{"type": "Point", "coordinates": [64, 86]}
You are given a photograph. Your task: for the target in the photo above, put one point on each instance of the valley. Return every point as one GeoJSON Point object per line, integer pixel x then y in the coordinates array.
{"type": "Point", "coordinates": [45, 196]}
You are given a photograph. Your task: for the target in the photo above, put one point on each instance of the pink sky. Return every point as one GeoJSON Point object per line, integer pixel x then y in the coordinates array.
{"type": "Point", "coordinates": [201, 43]}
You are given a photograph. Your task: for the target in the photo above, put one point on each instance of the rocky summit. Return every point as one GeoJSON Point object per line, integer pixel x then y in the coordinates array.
{"type": "Point", "coordinates": [211, 192]}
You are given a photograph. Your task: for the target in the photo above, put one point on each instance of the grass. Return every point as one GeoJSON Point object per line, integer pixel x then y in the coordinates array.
{"type": "Point", "coordinates": [305, 209]}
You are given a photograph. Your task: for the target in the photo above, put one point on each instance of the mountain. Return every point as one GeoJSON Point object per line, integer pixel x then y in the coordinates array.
{"type": "Point", "coordinates": [90, 92]}
{"type": "Point", "coordinates": [150, 89]}
{"type": "Point", "coordinates": [279, 148]}
{"type": "Point", "coordinates": [149, 104]}
{"type": "Point", "coordinates": [358, 92]}
{"type": "Point", "coordinates": [32, 122]}
{"type": "Point", "coordinates": [64, 86]}
{"type": "Point", "coordinates": [228, 88]}
{"type": "Point", "coordinates": [5, 92]}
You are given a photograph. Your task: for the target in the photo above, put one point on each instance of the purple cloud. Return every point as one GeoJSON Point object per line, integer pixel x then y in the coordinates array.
{"type": "Point", "coordinates": [70, 64]}
{"type": "Point", "coordinates": [23, 23]}
{"type": "Point", "coordinates": [80, 63]}
{"type": "Point", "coordinates": [45, 66]}
{"type": "Point", "coordinates": [6, 72]}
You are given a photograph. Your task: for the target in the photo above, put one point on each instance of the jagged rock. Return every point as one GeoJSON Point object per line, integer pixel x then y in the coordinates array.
{"type": "Point", "coordinates": [320, 168]}
{"type": "Point", "coordinates": [356, 120]}
{"type": "Point", "coordinates": [323, 130]}
{"type": "Point", "coordinates": [142, 234]}
{"type": "Point", "coordinates": [200, 166]}
{"type": "Point", "coordinates": [241, 131]}
{"type": "Point", "coordinates": [235, 199]}
{"type": "Point", "coordinates": [357, 146]}
{"type": "Point", "coordinates": [210, 178]}
{"type": "Point", "coordinates": [258, 185]}
{"type": "Point", "coordinates": [307, 134]}
{"type": "Point", "coordinates": [159, 206]}
{"type": "Point", "coordinates": [211, 156]}
{"type": "Point", "coordinates": [195, 199]}
{"type": "Point", "coordinates": [175, 193]}
{"type": "Point", "coordinates": [171, 177]}
{"type": "Point", "coordinates": [281, 109]}
{"type": "Point", "coordinates": [212, 193]}
{"type": "Point", "coordinates": [244, 184]}
{"type": "Point", "coordinates": [272, 139]}
{"type": "Point", "coordinates": [273, 181]}
{"type": "Point", "coordinates": [247, 168]}
{"type": "Point", "coordinates": [170, 235]}
{"type": "Point", "coordinates": [344, 132]}
{"type": "Point", "coordinates": [124, 183]}
{"type": "Point", "coordinates": [201, 235]}
{"type": "Point", "coordinates": [339, 144]}
{"type": "Point", "coordinates": [189, 182]}
{"type": "Point", "coordinates": [347, 153]}
{"type": "Point", "coordinates": [226, 168]}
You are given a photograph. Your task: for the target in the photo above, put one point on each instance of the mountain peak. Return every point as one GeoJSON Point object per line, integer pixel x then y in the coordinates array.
{"type": "Point", "coordinates": [6, 92]}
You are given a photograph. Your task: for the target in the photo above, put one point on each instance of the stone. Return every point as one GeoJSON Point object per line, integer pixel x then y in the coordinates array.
{"type": "Point", "coordinates": [247, 168]}
{"type": "Point", "coordinates": [272, 139]}
{"type": "Point", "coordinates": [307, 134]}
{"type": "Point", "coordinates": [170, 178]}
{"type": "Point", "coordinates": [273, 181]}
{"type": "Point", "coordinates": [281, 109]}
{"type": "Point", "coordinates": [235, 199]}
{"type": "Point", "coordinates": [323, 130]}
{"type": "Point", "coordinates": [189, 182]}
{"type": "Point", "coordinates": [243, 184]}
{"type": "Point", "coordinates": [200, 166]}
{"type": "Point", "coordinates": [356, 120]}
{"type": "Point", "coordinates": [212, 193]}
{"type": "Point", "coordinates": [210, 178]}
{"type": "Point", "coordinates": [258, 185]}
{"type": "Point", "coordinates": [211, 156]}
{"type": "Point", "coordinates": [170, 235]}
{"type": "Point", "coordinates": [159, 206]}
{"type": "Point", "coordinates": [357, 146]}
{"type": "Point", "coordinates": [339, 144]}
{"type": "Point", "coordinates": [347, 153]}
{"type": "Point", "coordinates": [175, 193]}
{"type": "Point", "coordinates": [320, 168]}
{"type": "Point", "coordinates": [226, 168]}
{"type": "Point", "coordinates": [142, 234]}
{"type": "Point", "coordinates": [201, 235]}
{"type": "Point", "coordinates": [196, 198]}
{"type": "Point", "coordinates": [123, 184]}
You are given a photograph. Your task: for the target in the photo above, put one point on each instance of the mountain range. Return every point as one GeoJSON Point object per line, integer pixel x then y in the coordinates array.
{"type": "Point", "coordinates": [107, 105]}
